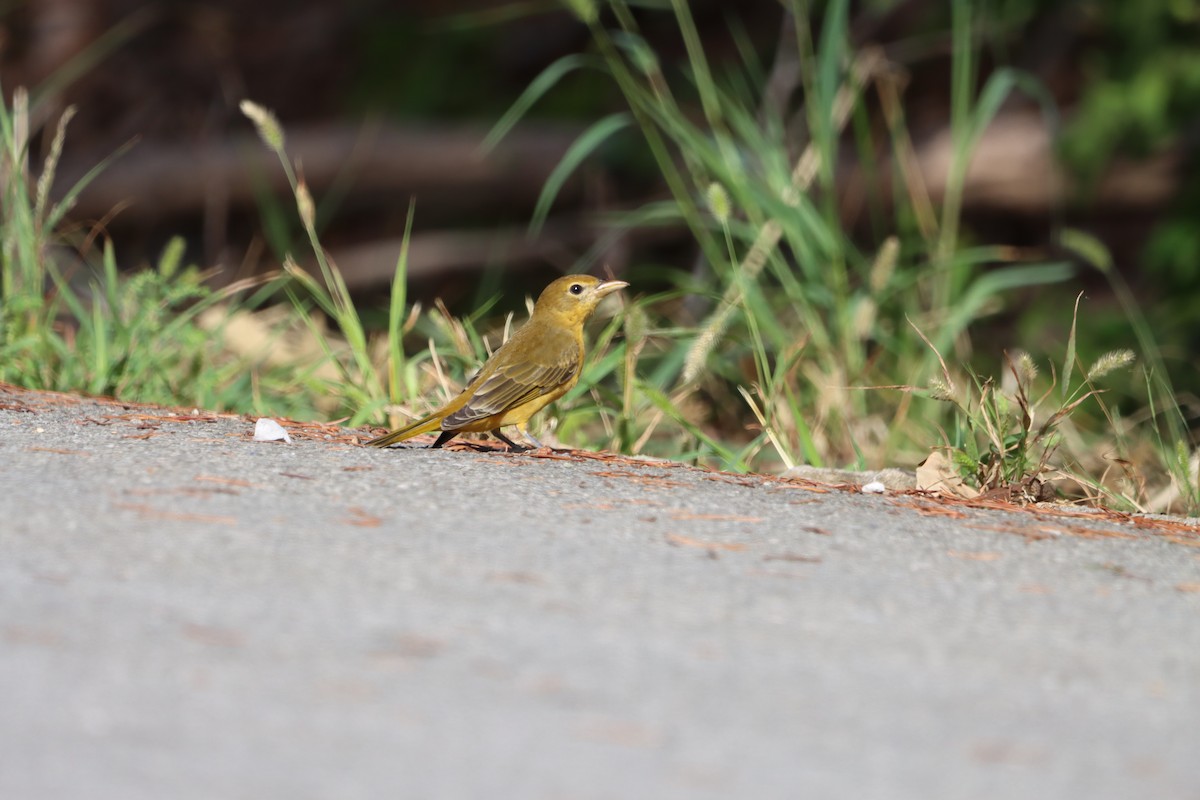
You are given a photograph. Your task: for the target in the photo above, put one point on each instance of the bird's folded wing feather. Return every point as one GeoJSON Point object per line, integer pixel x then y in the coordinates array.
{"type": "Point", "coordinates": [512, 385]}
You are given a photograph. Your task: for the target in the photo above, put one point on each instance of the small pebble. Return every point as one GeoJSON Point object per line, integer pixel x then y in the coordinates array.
{"type": "Point", "coordinates": [874, 487]}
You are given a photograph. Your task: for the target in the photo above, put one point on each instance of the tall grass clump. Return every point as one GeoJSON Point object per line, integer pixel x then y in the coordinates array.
{"type": "Point", "coordinates": [790, 338]}
{"type": "Point", "coordinates": [72, 320]}
{"type": "Point", "coordinates": [798, 315]}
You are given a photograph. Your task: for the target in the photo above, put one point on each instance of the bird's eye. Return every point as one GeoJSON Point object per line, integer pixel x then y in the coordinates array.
{"type": "Point", "coordinates": [576, 288]}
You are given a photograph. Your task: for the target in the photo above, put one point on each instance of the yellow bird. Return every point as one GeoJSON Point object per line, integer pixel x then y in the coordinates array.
{"type": "Point", "coordinates": [536, 366]}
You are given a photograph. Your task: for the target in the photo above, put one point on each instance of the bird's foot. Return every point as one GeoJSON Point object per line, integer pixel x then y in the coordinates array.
{"type": "Point", "coordinates": [513, 447]}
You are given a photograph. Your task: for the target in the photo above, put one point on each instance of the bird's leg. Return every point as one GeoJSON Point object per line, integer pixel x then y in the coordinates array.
{"type": "Point", "coordinates": [513, 446]}
{"type": "Point", "coordinates": [444, 437]}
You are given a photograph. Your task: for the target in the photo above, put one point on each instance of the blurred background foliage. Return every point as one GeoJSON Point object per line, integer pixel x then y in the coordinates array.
{"type": "Point", "coordinates": [1126, 76]}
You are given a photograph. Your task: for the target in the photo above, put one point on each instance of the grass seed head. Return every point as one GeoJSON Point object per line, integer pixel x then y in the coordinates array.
{"type": "Point", "coordinates": [941, 390]}
{"type": "Point", "coordinates": [1111, 361]}
{"type": "Point", "coordinates": [304, 205]}
{"type": "Point", "coordinates": [1026, 368]}
{"type": "Point", "coordinates": [884, 264]}
{"type": "Point", "coordinates": [269, 129]}
{"type": "Point", "coordinates": [718, 202]}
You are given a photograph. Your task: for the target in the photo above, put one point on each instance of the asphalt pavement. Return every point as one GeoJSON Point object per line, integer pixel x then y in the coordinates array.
{"type": "Point", "coordinates": [187, 613]}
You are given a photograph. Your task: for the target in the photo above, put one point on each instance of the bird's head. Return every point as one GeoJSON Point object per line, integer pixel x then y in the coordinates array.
{"type": "Point", "coordinates": [573, 298]}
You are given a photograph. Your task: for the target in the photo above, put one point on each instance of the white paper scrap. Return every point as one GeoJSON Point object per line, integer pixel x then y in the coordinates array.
{"type": "Point", "coordinates": [268, 430]}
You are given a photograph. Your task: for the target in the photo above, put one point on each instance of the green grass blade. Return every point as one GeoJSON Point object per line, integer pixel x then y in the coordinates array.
{"type": "Point", "coordinates": [396, 308]}
{"type": "Point", "coordinates": [580, 149]}
{"type": "Point", "coordinates": [537, 88]}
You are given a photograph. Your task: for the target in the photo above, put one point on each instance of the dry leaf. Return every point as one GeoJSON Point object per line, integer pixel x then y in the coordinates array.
{"type": "Point", "coordinates": [937, 474]}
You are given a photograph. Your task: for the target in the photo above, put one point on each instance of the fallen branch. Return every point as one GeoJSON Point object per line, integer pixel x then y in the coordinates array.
{"type": "Point", "coordinates": [437, 164]}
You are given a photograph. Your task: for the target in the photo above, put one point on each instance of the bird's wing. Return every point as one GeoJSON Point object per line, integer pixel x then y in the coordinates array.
{"type": "Point", "coordinates": [517, 381]}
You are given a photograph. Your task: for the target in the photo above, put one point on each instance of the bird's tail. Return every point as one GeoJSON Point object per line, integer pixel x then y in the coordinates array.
{"type": "Point", "coordinates": [424, 425]}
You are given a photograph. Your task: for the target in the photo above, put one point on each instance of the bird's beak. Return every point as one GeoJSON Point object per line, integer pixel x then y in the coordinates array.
{"type": "Point", "coordinates": [608, 287]}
